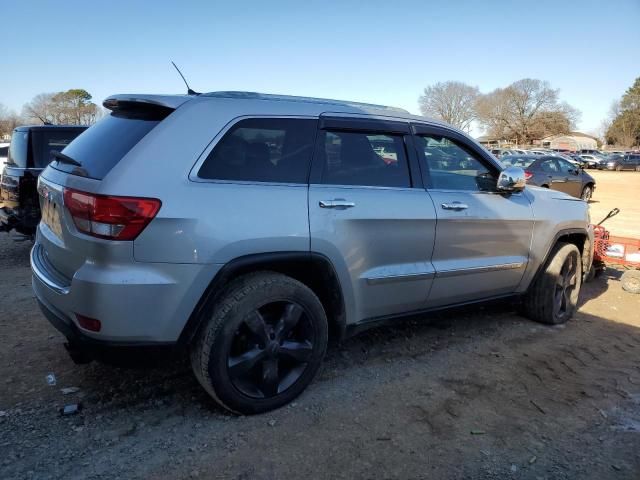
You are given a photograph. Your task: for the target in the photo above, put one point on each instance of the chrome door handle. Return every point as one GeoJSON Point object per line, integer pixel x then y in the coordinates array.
{"type": "Point", "coordinates": [337, 203]}
{"type": "Point", "coordinates": [455, 206]}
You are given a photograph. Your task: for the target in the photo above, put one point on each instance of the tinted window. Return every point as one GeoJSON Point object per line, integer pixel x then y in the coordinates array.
{"type": "Point", "coordinates": [566, 167]}
{"type": "Point", "coordinates": [46, 142]}
{"type": "Point", "coordinates": [4, 151]}
{"type": "Point", "coordinates": [19, 148]}
{"type": "Point", "coordinates": [102, 146]}
{"type": "Point", "coordinates": [263, 150]}
{"type": "Point", "coordinates": [364, 159]}
{"type": "Point", "coordinates": [452, 167]}
{"type": "Point", "coordinates": [549, 166]}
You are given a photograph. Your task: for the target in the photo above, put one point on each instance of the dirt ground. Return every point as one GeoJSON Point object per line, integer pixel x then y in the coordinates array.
{"type": "Point", "coordinates": [475, 393]}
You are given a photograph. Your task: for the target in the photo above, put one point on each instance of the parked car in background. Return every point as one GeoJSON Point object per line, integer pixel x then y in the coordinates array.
{"type": "Point", "coordinates": [273, 222]}
{"type": "Point", "coordinates": [570, 159]}
{"type": "Point", "coordinates": [577, 159]}
{"type": "Point", "coordinates": [555, 173]}
{"type": "Point", "coordinates": [499, 152]}
{"type": "Point", "coordinates": [32, 148]}
{"type": "Point", "coordinates": [592, 161]}
{"type": "Point", "coordinates": [4, 151]}
{"type": "Point", "coordinates": [539, 152]}
{"type": "Point", "coordinates": [628, 162]}
{"type": "Point", "coordinates": [591, 152]}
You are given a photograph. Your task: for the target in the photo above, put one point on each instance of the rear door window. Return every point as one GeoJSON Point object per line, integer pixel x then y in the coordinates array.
{"type": "Point", "coordinates": [102, 146]}
{"type": "Point", "coordinates": [263, 150]}
{"type": "Point", "coordinates": [365, 159]}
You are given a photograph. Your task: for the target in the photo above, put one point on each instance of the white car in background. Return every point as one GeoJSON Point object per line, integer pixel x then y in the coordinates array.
{"type": "Point", "coordinates": [4, 153]}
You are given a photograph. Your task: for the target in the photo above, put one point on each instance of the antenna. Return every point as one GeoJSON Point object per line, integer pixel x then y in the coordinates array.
{"type": "Point", "coordinates": [189, 91]}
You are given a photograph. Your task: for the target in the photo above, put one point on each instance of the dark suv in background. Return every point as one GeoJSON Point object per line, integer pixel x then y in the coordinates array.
{"type": "Point", "coordinates": [32, 149]}
{"type": "Point", "coordinates": [628, 162]}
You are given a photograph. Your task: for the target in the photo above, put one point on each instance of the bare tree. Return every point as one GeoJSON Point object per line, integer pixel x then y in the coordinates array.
{"type": "Point", "coordinates": [452, 102]}
{"type": "Point", "coordinates": [8, 121]}
{"type": "Point", "coordinates": [525, 110]}
{"type": "Point", "coordinates": [73, 107]}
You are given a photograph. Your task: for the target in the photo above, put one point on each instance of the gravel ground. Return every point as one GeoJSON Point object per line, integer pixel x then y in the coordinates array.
{"type": "Point", "coordinates": [475, 393]}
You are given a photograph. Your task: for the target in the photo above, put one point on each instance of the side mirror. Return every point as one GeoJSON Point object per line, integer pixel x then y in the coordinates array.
{"type": "Point", "coordinates": [511, 179]}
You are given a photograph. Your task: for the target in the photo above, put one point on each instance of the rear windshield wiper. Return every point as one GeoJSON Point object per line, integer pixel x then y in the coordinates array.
{"type": "Point", "coordinates": [61, 157]}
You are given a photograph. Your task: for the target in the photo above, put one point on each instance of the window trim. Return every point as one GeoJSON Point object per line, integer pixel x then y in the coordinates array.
{"type": "Point", "coordinates": [195, 169]}
{"type": "Point", "coordinates": [420, 129]}
{"type": "Point", "coordinates": [371, 126]}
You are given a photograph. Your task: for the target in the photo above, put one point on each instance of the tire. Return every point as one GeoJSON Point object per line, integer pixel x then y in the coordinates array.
{"type": "Point", "coordinates": [618, 168]}
{"type": "Point", "coordinates": [262, 345]}
{"type": "Point", "coordinates": [638, 168]}
{"type": "Point", "coordinates": [591, 275]}
{"type": "Point", "coordinates": [587, 193]}
{"type": "Point", "coordinates": [631, 281]}
{"type": "Point", "coordinates": [553, 296]}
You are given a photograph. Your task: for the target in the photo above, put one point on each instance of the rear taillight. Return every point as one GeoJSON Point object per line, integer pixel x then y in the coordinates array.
{"type": "Point", "coordinates": [109, 217]}
{"type": "Point", "coordinates": [527, 174]}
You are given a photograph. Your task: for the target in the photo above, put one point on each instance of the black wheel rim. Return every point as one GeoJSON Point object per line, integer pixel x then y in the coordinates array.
{"type": "Point", "coordinates": [565, 286]}
{"type": "Point", "coordinates": [271, 349]}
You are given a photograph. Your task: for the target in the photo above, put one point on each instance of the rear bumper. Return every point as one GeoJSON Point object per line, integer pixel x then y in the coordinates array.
{"type": "Point", "coordinates": [137, 303]}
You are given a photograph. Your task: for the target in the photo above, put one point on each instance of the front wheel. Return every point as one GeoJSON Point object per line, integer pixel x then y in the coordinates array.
{"type": "Point", "coordinates": [618, 168]}
{"type": "Point", "coordinates": [587, 193]}
{"type": "Point", "coordinates": [638, 168]}
{"type": "Point", "coordinates": [553, 296]}
{"type": "Point", "coordinates": [263, 344]}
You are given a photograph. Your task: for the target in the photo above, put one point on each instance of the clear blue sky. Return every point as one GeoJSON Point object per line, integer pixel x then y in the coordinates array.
{"type": "Point", "coordinates": [375, 51]}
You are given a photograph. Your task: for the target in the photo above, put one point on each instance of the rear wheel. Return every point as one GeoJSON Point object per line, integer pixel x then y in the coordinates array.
{"type": "Point", "coordinates": [618, 168]}
{"type": "Point", "coordinates": [263, 344]}
{"type": "Point", "coordinates": [631, 281]}
{"type": "Point", "coordinates": [587, 193]}
{"type": "Point", "coordinates": [553, 296]}
{"type": "Point", "coordinates": [638, 168]}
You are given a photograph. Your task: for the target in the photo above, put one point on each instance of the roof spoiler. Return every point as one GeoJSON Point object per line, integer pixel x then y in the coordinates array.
{"type": "Point", "coordinates": [131, 101]}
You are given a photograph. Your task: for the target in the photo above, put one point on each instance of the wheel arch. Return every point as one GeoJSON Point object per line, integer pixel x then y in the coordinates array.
{"type": "Point", "coordinates": [312, 269]}
{"type": "Point", "coordinates": [576, 236]}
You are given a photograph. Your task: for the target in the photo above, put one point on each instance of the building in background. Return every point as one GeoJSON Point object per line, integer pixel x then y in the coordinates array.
{"type": "Point", "coordinates": [573, 141]}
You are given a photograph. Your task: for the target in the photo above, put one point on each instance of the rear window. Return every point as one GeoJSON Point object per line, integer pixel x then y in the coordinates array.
{"type": "Point", "coordinates": [19, 149]}
{"type": "Point", "coordinates": [102, 146]}
{"type": "Point", "coordinates": [47, 142]}
{"type": "Point", "coordinates": [4, 151]}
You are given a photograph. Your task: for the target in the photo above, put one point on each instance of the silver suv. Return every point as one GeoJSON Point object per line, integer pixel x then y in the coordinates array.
{"type": "Point", "coordinates": [247, 229]}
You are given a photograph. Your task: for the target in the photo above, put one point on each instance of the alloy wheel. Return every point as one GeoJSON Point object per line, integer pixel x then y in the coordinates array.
{"type": "Point", "coordinates": [566, 283]}
{"type": "Point", "coordinates": [271, 349]}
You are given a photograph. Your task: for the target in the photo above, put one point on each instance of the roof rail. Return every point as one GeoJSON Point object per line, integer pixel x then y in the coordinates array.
{"type": "Point", "coordinates": [291, 98]}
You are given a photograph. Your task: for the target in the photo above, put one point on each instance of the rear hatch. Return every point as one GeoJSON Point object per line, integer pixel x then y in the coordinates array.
{"type": "Point", "coordinates": [31, 150]}
{"type": "Point", "coordinates": [79, 224]}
